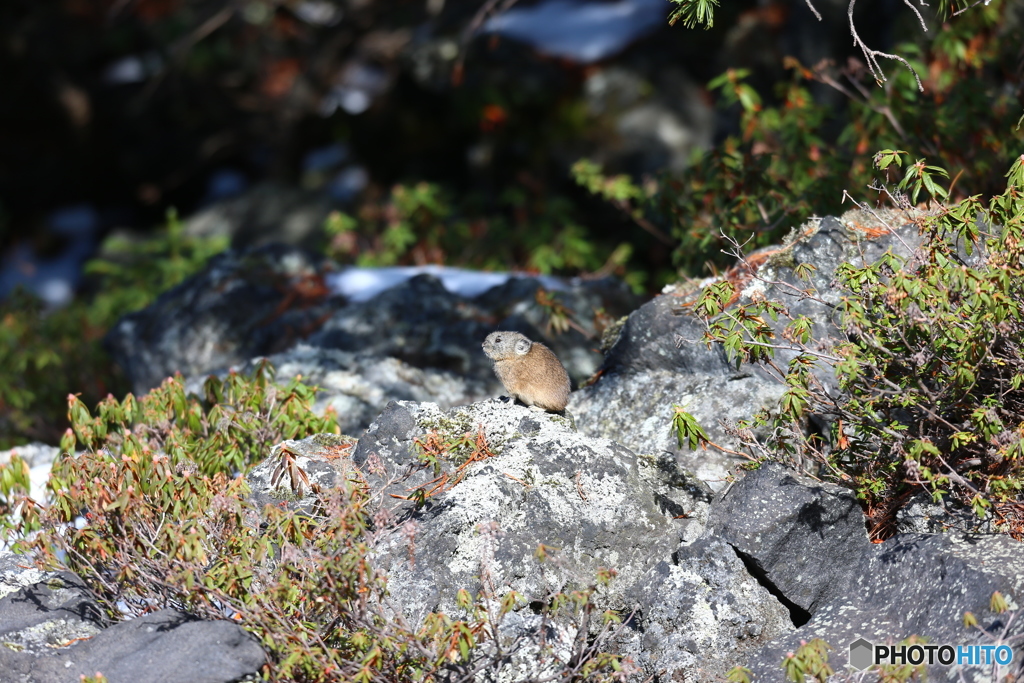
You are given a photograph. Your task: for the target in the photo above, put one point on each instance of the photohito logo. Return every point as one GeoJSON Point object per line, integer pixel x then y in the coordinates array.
{"type": "Point", "coordinates": [864, 654]}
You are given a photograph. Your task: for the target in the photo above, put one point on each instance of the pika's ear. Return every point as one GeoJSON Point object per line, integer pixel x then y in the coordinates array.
{"type": "Point", "coordinates": [523, 347]}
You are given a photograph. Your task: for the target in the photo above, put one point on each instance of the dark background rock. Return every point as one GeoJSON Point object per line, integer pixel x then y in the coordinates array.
{"type": "Point", "coordinates": [243, 304]}
{"type": "Point", "coordinates": [414, 341]}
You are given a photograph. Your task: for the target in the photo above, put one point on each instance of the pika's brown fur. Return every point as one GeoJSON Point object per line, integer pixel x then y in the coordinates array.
{"type": "Point", "coordinates": [529, 370]}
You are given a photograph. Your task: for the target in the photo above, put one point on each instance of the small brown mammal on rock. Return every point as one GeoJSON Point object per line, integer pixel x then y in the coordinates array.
{"type": "Point", "coordinates": [530, 371]}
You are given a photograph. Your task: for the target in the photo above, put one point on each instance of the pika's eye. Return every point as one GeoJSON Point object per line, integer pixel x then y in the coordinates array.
{"type": "Point", "coordinates": [497, 339]}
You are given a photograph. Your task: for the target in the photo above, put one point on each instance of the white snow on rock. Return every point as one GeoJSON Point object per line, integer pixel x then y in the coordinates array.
{"type": "Point", "coordinates": [581, 30]}
{"type": "Point", "coordinates": [362, 284]}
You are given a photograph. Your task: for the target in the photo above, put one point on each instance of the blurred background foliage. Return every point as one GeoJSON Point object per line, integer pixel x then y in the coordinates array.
{"type": "Point", "coordinates": [429, 133]}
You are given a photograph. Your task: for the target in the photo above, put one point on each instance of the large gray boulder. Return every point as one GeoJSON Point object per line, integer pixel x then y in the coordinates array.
{"type": "Point", "coordinates": [691, 606]}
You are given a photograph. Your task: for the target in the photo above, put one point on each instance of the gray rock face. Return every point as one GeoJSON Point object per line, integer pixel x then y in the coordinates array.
{"type": "Point", "coordinates": [546, 485]}
{"type": "Point", "coordinates": [806, 542]}
{"type": "Point", "coordinates": [54, 632]}
{"type": "Point", "coordinates": [699, 613]}
{"type": "Point", "coordinates": [799, 536]}
{"type": "Point", "coordinates": [162, 647]}
{"type": "Point", "coordinates": [593, 502]}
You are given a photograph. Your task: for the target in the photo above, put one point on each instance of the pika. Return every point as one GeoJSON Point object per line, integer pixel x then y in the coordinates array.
{"type": "Point", "coordinates": [530, 371]}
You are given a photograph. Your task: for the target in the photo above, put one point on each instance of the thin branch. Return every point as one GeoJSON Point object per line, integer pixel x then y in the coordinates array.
{"type": "Point", "coordinates": [815, 12]}
{"type": "Point", "coordinates": [871, 56]}
{"type": "Point", "coordinates": [959, 12]}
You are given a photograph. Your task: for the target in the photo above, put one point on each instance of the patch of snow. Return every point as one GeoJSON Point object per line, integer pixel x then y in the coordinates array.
{"type": "Point", "coordinates": [579, 30]}
{"type": "Point", "coordinates": [362, 284]}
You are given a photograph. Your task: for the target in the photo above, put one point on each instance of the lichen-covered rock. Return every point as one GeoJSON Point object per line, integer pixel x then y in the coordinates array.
{"type": "Point", "coordinates": [546, 485]}
{"type": "Point", "coordinates": [18, 571]}
{"type": "Point", "coordinates": [700, 613]}
{"type": "Point", "coordinates": [52, 613]}
{"type": "Point", "coordinates": [590, 501]}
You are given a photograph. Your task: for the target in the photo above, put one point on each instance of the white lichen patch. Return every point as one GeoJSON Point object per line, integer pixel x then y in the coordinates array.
{"type": "Point", "coordinates": [53, 633]}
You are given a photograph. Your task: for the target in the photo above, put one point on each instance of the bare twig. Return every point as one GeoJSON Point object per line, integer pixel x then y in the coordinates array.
{"type": "Point", "coordinates": [871, 56]}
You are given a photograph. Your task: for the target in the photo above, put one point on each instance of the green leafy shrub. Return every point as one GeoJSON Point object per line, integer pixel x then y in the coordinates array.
{"type": "Point", "coordinates": [43, 356]}
{"type": "Point", "coordinates": [931, 367]}
{"type": "Point", "coordinates": [794, 156]}
{"type": "Point", "coordinates": [155, 513]}
{"type": "Point", "coordinates": [809, 660]}
{"type": "Point", "coordinates": [47, 354]}
{"type": "Point", "coordinates": [420, 223]}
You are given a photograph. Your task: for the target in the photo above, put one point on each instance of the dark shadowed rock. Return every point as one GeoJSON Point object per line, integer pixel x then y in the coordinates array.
{"type": "Point", "coordinates": [268, 213]}
{"type": "Point", "coordinates": [806, 542]}
{"type": "Point", "coordinates": [917, 585]}
{"type": "Point", "coordinates": [242, 305]}
{"type": "Point", "coordinates": [800, 537]}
